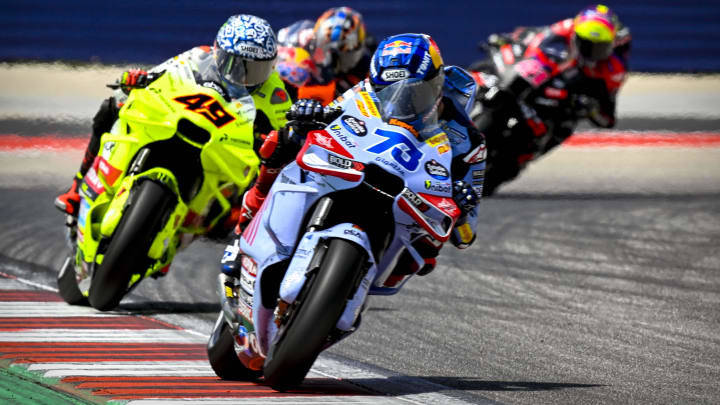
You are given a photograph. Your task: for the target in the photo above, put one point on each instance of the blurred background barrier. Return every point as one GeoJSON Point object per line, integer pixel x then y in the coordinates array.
{"type": "Point", "coordinates": [669, 36]}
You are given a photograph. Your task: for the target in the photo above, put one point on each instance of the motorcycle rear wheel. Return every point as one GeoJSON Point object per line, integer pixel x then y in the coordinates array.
{"type": "Point", "coordinates": [223, 359]}
{"type": "Point", "coordinates": [314, 315]}
{"type": "Point", "coordinates": [126, 254]}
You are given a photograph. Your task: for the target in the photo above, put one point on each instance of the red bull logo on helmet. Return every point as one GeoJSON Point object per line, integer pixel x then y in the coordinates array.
{"type": "Point", "coordinates": [397, 47]}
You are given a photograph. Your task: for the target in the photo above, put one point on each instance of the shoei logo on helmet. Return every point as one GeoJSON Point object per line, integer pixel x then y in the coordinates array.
{"type": "Point", "coordinates": [397, 47]}
{"type": "Point", "coordinates": [250, 50]}
{"type": "Point", "coordinates": [393, 75]}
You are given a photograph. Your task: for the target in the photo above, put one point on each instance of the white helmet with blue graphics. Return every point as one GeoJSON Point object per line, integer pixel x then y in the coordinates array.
{"type": "Point", "coordinates": [245, 50]}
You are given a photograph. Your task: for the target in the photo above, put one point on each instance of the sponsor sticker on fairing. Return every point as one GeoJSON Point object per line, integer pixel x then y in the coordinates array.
{"type": "Point", "coordinates": [336, 130]}
{"type": "Point", "coordinates": [441, 142]}
{"type": "Point", "coordinates": [393, 75]}
{"type": "Point", "coordinates": [248, 274]}
{"type": "Point", "coordinates": [340, 162]}
{"type": "Point", "coordinates": [354, 125]}
{"type": "Point", "coordinates": [436, 170]}
{"type": "Point", "coordinates": [437, 187]}
{"type": "Point", "coordinates": [371, 108]}
{"type": "Point", "coordinates": [414, 199]}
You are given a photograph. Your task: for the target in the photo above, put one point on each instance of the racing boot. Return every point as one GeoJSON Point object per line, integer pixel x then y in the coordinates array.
{"type": "Point", "coordinates": [69, 201]}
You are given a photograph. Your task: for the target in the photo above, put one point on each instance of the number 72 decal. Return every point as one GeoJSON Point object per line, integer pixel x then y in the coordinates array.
{"type": "Point", "coordinates": [403, 150]}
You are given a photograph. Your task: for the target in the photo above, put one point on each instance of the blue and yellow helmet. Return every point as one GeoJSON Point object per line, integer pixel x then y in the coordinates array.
{"type": "Point", "coordinates": [405, 56]}
{"type": "Point", "coordinates": [406, 72]}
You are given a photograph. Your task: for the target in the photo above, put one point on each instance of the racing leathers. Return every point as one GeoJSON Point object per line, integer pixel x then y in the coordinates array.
{"type": "Point", "coordinates": [467, 172]}
{"type": "Point", "coordinates": [270, 99]}
{"type": "Point", "coordinates": [535, 75]}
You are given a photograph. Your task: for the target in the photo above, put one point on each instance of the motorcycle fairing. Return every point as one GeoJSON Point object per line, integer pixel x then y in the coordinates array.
{"type": "Point", "coordinates": [426, 207]}
{"type": "Point", "coordinates": [299, 266]}
{"type": "Point", "coordinates": [152, 115]}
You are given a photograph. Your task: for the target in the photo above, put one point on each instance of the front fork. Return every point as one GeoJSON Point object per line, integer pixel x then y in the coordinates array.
{"type": "Point", "coordinates": [71, 231]}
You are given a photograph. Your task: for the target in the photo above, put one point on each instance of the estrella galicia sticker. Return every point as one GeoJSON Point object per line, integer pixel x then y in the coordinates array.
{"type": "Point", "coordinates": [436, 170]}
{"type": "Point", "coordinates": [354, 125]}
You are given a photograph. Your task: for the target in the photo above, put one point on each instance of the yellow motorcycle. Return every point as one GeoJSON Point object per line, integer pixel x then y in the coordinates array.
{"type": "Point", "coordinates": [166, 173]}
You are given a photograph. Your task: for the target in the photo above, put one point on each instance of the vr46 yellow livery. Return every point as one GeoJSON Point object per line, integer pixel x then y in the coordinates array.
{"type": "Point", "coordinates": [165, 174]}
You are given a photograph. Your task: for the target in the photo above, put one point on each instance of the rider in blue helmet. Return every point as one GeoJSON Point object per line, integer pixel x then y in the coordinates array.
{"type": "Point", "coordinates": [407, 74]}
{"type": "Point", "coordinates": [239, 65]}
{"type": "Point", "coordinates": [416, 91]}
{"type": "Point", "coordinates": [415, 88]}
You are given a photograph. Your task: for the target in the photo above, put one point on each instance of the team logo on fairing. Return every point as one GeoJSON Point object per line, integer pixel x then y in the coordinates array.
{"type": "Point", "coordinates": [436, 170]}
{"type": "Point", "coordinates": [335, 129]}
{"type": "Point", "coordinates": [340, 162]}
{"type": "Point", "coordinates": [437, 187]}
{"type": "Point", "coordinates": [414, 199]}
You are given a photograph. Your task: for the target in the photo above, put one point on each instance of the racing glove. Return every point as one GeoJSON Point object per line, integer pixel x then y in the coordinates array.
{"type": "Point", "coordinates": [132, 79]}
{"type": "Point", "coordinates": [464, 196]}
{"type": "Point", "coordinates": [312, 112]}
{"type": "Point", "coordinates": [305, 110]}
{"type": "Point", "coordinates": [463, 233]}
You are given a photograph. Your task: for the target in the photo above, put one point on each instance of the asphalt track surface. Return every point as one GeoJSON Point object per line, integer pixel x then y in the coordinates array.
{"type": "Point", "coordinates": [595, 279]}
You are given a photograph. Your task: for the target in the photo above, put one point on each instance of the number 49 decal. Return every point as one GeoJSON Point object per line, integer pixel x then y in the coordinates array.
{"type": "Point", "coordinates": [206, 106]}
{"type": "Point", "coordinates": [403, 151]}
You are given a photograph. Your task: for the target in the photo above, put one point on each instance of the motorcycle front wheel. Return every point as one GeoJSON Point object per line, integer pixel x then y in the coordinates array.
{"type": "Point", "coordinates": [68, 285]}
{"type": "Point", "coordinates": [313, 316]}
{"type": "Point", "coordinates": [126, 253]}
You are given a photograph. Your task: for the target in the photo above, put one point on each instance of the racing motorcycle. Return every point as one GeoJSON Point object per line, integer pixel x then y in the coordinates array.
{"type": "Point", "coordinates": [166, 173]}
{"type": "Point", "coordinates": [523, 131]}
{"type": "Point", "coordinates": [329, 234]}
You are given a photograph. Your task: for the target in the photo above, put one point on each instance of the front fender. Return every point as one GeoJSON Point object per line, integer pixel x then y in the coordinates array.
{"type": "Point", "coordinates": [295, 276]}
{"type": "Point", "coordinates": [117, 207]}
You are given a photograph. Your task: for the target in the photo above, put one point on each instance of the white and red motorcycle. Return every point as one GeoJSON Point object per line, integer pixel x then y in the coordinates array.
{"type": "Point", "coordinates": [329, 234]}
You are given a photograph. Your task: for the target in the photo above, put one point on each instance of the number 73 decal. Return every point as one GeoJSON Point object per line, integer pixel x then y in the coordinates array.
{"type": "Point", "coordinates": [403, 150]}
{"type": "Point", "coordinates": [206, 106]}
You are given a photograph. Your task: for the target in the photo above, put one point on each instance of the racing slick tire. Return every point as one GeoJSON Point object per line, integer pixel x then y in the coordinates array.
{"type": "Point", "coordinates": [312, 317]}
{"type": "Point", "coordinates": [126, 253]}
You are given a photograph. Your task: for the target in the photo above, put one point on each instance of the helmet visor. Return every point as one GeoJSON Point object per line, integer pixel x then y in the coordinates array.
{"type": "Point", "coordinates": [242, 71]}
{"type": "Point", "coordinates": [593, 51]}
{"type": "Point", "coordinates": [412, 100]}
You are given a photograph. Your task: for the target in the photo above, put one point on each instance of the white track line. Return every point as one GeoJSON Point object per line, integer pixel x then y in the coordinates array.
{"type": "Point", "coordinates": [428, 392]}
